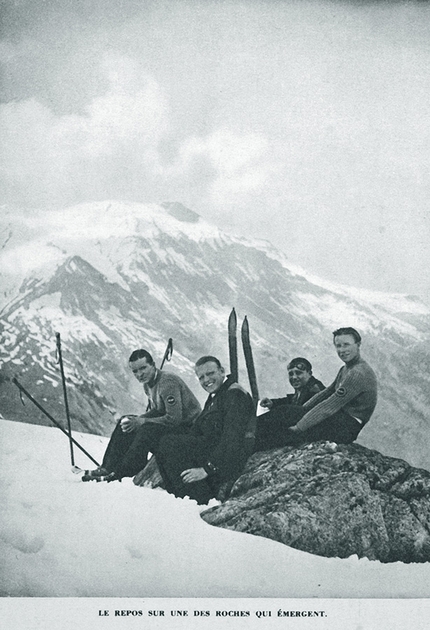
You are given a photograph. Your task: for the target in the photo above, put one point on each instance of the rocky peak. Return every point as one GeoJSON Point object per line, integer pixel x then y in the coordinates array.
{"type": "Point", "coordinates": [332, 500]}
{"type": "Point", "coordinates": [180, 212]}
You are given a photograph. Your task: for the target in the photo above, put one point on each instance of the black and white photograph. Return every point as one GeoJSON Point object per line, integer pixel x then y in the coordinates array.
{"type": "Point", "coordinates": [215, 314]}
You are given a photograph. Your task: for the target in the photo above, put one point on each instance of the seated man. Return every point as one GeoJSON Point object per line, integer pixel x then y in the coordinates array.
{"type": "Point", "coordinates": [301, 379]}
{"type": "Point", "coordinates": [214, 450]}
{"type": "Point", "coordinates": [340, 411]}
{"type": "Point", "coordinates": [172, 407]}
{"type": "Point", "coordinates": [272, 425]}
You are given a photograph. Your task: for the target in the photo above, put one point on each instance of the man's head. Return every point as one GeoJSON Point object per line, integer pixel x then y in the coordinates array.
{"type": "Point", "coordinates": [210, 373]}
{"type": "Point", "coordinates": [347, 342]}
{"type": "Point", "coordinates": [299, 372]}
{"type": "Point", "coordinates": [142, 365]}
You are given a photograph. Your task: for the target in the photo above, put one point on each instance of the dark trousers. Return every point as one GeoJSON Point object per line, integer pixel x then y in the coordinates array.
{"type": "Point", "coordinates": [127, 453]}
{"type": "Point", "coordinates": [177, 453]}
{"type": "Point", "coordinates": [340, 428]}
{"type": "Point", "coordinates": [272, 429]}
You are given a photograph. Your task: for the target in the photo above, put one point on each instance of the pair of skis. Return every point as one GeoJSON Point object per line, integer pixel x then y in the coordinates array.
{"type": "Point", "coordinates": [247, 351]}
{"type": "Point", "coordinates": [167, 357]}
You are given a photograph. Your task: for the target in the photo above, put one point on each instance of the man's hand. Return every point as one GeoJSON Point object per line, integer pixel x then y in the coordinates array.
{"type": "Point", "coordinates": [193, 474]}
{"type": "Point", "coordinates": [294, 429]}
{"type": "Point", "coordinates": [266, 402]}
{"type": "Point", "coordinates": [130, 423]}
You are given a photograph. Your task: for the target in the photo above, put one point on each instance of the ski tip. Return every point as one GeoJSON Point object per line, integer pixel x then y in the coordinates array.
{"type": "Point", "coordinates": [245, 326]}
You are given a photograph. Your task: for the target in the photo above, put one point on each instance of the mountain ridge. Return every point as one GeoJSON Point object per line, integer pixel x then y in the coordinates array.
{"type": "Point", "coordinates": [113, 276]}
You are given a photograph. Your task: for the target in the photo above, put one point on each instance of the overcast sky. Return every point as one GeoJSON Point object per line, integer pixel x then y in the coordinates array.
{"type": "Point", "coordinates": [305, 123]}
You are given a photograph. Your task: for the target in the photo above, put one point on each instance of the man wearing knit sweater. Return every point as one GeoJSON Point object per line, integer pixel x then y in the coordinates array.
{"type": "Point", "coordinates": [172, 408]}
{"type": "Point", "coordinates": [339, 412]}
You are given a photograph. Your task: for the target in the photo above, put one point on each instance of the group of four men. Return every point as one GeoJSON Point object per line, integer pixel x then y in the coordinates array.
{"type": "Point", "coordinates": [197, 451]}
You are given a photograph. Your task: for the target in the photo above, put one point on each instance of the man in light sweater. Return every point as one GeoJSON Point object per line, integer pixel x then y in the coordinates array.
{"type": "Point", "coordinates": [172, 408]}
{"type": "Point", "coordinates": [339, 412]}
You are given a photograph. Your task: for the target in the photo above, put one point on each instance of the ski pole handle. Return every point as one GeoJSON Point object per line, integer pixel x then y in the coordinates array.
{"type": "Point", "coordinates": [168, 353]}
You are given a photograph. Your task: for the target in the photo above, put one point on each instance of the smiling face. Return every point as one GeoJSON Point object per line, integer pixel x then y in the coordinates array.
{"type": "Point", "coordinates": [143, 371]}
{"type": "Point", "coordinates": [210, 376]}
{"type": "Point", "coordinates": [298, 378]}
{"type": "Point", "coordinates": [347, 348]}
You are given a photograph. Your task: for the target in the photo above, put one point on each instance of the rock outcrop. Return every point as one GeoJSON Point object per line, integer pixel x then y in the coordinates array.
{"type": "Point", "coordinates": [332, 500]}
{"type": "Point", "coordinates": [150, 476]}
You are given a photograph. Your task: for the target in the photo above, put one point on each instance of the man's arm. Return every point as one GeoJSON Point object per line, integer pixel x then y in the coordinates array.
{"type": "Point", "coordinates": [351, 386]}
{"type": "Point", "coordinates": [278, 402]}
{"type": "Point", "coordinates": [320, 396]}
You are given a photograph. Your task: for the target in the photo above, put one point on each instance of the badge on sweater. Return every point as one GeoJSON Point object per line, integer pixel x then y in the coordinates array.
{"type": "Point", "coordinates": [171, 400]}
{"type": "Point", "coordinates": [341, 392]}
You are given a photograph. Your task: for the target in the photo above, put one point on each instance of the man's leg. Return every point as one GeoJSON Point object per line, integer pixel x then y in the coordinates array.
{"type": "Point", "coordinates": [146, 438]}
{"type": "Point", "coordinates": [118, 446]}
{"type": "Point", "coordinates": [272, 427]}
{"type": "Point", "coordinates": [340, 428]}
{"type": "Point", "coordinates": [177, 453]}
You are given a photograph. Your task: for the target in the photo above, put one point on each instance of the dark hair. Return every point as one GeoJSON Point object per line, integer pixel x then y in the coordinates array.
{"type": "Point", "coordinates": [347, 331]}
{"type": "Point", "coordinates": [206, 359]}
{"type": "Point", "coordinates": [141, 354]}
{"type": "Point", "coordinates": [302, 364]}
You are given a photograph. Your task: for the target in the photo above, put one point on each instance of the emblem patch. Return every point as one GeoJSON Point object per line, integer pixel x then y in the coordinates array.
{"type": "Point", "coordinates": [171, 400]}
{"type": "Point", "coordinates": [341, 392]}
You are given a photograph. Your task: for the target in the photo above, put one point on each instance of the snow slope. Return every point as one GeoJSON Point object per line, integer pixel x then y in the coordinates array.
{"type": "Point", "coordinates": [63, 538]}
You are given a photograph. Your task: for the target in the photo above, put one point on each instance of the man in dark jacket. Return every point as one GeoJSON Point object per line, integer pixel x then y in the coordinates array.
{"type": "Point", "coordinates": [215, 449]}
{"type": "Point", "coordinates": [284, 412]}
{"type": "Point", "coordinates": [172, 407]}
{"type": "Point", "coordinates": [301, 379]}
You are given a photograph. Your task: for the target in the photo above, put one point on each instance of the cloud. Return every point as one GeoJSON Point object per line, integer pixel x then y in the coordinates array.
{"type": "Point", "coordinates": [240, 163]}
{"type": "Point", "coordinates": [112, 150]}
{"type": "Point", "coordinates": [49, 158]}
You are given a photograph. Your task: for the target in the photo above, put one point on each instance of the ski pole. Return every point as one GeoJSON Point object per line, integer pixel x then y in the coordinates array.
{"type": "Point", "coordinates": [168, 353]}
{"type": "Point", "coordinates": [232, 344]}
{"type": "Point", "coordinates": [66, 403]}
{"type": "Point", "coordinates": [57, 424]}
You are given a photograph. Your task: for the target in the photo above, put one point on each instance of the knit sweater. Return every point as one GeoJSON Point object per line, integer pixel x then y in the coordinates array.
{"type": "Point", "coordinates": [354, 391]}
{"type": "Point", "coordinates": [170, 401]}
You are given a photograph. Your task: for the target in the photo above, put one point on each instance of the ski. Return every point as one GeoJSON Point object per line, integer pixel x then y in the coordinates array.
{"type": "Point", "coordinates": [232, 344]}
{"type": "Point", "coordinates": [247, 351]}
{"type": "Point", "coordinates": [66, 403]}
{"type": "Point", "coordinates": [48, 415]}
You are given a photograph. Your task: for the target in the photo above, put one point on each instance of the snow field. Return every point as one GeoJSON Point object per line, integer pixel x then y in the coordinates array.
{"type": "Point", "coordinates": [60, 537]}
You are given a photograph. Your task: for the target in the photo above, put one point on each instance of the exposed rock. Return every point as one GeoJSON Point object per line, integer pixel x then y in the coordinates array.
{"type": "Point", "coordinates": [150, 476]}
{"type": "Point", "coordinates": [332, 500]}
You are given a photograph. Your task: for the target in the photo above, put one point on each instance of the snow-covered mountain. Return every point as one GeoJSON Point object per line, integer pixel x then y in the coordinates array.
{"type": "Point", "coordinates": [114, 276]}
